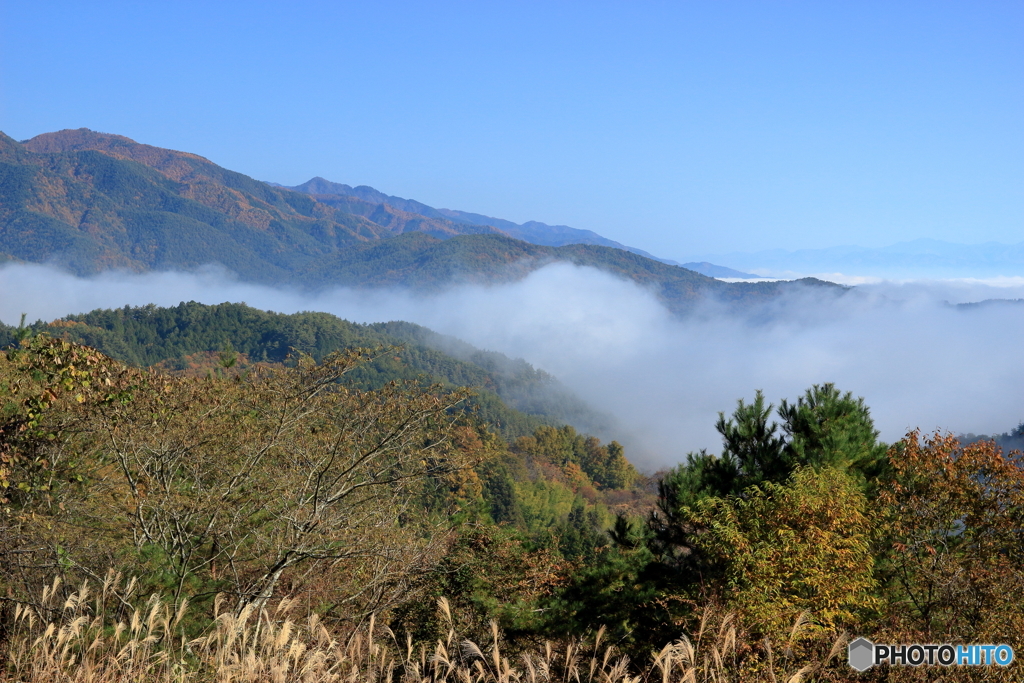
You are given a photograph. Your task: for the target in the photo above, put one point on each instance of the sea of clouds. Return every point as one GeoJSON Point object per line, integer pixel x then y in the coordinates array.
{"type": "Point", "coordinates": [917, 359]}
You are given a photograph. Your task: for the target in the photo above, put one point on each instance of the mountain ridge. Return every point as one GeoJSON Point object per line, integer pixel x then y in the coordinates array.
{"type": "Point", "coordinates": [425, 263]}
{"type": "Point", "coordinates": [534, 232]}
{"type": "Point", "coordinates": [91, 202]}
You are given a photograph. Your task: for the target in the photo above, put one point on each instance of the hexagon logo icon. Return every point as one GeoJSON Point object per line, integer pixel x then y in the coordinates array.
{"type": "Point", "coordinates": [861, 654]}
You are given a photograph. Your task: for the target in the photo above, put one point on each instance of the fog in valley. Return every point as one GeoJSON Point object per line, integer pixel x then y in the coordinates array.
{"type": "Point", "coordinates": [917, 359]}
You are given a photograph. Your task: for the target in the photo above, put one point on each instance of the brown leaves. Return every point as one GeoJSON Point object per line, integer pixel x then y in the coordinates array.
{"type": "Point", "coordinates": [951, 518]}
{"type": "Point", "coordinates": [254, 476]}
{"type": "Point", "coordinates": [44, 380]}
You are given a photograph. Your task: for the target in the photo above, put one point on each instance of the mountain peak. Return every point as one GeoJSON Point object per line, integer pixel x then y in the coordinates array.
{"type": "Point", "coordinates": [82, 139]}
{"type": "Point", "coordinates": [75, 139]}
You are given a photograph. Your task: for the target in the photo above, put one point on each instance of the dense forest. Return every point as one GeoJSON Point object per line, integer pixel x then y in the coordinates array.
{"type": "Point", "coordinates": [192, 338]}
{"type": "Point", "coordinates": [220, 493]}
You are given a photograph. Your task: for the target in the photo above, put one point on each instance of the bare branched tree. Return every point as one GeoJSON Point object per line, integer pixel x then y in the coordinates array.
{"type": "Point", "coordinates": [232, 485]}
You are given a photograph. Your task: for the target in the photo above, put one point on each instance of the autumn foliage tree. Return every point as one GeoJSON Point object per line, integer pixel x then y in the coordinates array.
{"type": "Point", "coordinates": [951, 556]}
{"type": "Point", "coordinates": [785, 549]}
{"type": "Point", "coordinates": [231, 485]}
{"type": "Point", "coordinates": [41, 380]}
{"type": "Point", "coordinates": [606, 466]}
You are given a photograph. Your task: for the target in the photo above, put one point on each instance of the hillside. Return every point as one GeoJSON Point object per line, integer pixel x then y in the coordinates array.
{"type": "Point", "coordinates": [195, 500]}
{"type": "Point", "coordinates": [424, 262]}
{"type": "Point", "coordinates": [193, 338]}
{"type": "Point", "coordinates": [91, 202]}
{"type": "Point", "coordinates": [359, 500]}
{"type": "Point", "coordinates": [533, 232]}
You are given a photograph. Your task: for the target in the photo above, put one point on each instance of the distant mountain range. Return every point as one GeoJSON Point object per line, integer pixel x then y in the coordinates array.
{"type": "Point", "coordinates": [424, 262]}
{"type": "Point", "coordinates": [921, 258]}
{"type": "Point", "coordinates": [372, 203]}
{"type": "Point", "coordinates": [711, 270]}
{"type": "Point", "coordinates": [338, 194]}
{"type": "Point", "coordinates": [90, 202]}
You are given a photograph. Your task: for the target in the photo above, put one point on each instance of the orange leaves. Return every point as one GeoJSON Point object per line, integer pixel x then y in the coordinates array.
{"type": "Point", "coordinates": [950, 517]}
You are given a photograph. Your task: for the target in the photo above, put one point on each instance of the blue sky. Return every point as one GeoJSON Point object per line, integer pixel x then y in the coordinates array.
{"type": "Point", "coordinates": [683, 128]}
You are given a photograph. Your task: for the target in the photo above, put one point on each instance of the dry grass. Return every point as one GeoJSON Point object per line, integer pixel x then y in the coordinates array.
{"type": "Point", "coordinates": [100, 638]}
{"type": "Point", "coordinates": [79, 639]}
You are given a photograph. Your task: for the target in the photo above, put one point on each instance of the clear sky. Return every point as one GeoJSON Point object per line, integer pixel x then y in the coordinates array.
{"type": "Point", "coordinates": [682, 128]}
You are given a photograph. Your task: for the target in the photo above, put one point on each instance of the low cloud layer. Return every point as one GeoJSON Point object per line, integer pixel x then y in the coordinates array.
{"type": "Point", "coordinates": [917, 360]}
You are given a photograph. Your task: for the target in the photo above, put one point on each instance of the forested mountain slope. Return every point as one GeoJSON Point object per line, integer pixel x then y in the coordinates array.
{"type": "Point", "coordinates": [534, 232]}
{"type": "Point", "coordinates": [193, 338]}
{"type": "Point", "coordinates": [423, 262]}
{"type": "Point", "coordinates": [90, 202]}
